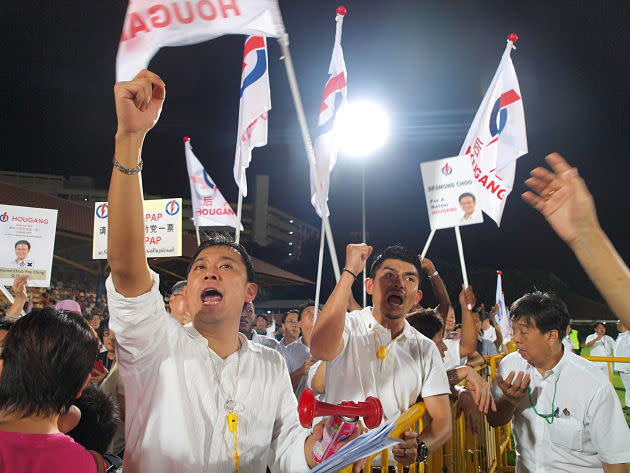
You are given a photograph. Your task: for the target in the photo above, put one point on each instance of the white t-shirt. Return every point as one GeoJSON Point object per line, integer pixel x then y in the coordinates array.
{"type": "Point", "coordinates": [622, 350]}
{"type": "Point", "coordinates": [589, 430]}
{"type": "Point", "coordinates": [490, 334]}
{"type": "Point", "coordinates": [567, 343]}
{"type": "Point", "coordinates": [175, 410]}
{"type": "Point", "coordinates": [412, 367]}
{"type": "Point", "coordinates": [451, 357]}
{"type": "Point", "coordinates": [601, 347]}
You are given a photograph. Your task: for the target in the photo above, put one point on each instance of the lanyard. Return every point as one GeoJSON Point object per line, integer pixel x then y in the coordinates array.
{"type": "Point", "coordinates": [551, 416]}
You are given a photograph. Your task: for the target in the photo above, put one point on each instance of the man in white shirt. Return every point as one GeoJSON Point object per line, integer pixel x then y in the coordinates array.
{"type": "Point", "coordinates": [567, 343]}
{"type": "Point", "coordinates": [601, 345]}
{"type": "Point", "coordinates": [622, 350]}
{"type": "Point", "coordinates": [246, 323]}
{"type": "Point", "coordinates": [199, 397]}
{"type": "Point", "coordinates": [297, 351]}
{"type": "Point", "coordinates": [566, 416]}
{"type": "Point", "coordinates": [471, 214]}
{"type": "Point", "coordinates": [375, 352]}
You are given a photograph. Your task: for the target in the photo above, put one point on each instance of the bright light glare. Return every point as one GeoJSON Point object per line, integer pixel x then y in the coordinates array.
{"type": "Point", "coordinates": [361, 128]}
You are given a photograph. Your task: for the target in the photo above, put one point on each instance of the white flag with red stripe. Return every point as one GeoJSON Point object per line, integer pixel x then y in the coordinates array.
{"type": "Point", "coordinates": [255, 102]}
{"type": "Point", "coordinates": [497, 138]}
{"type": "Point", "coordinates": [210, 209]}
{"type": "Point", "coordinates": [150, 25]}
{"type": "Point", "coordinates": [333, 101]}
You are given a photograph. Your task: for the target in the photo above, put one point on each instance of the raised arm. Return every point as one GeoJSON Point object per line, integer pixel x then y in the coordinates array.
{"type": "Point", "coordinates": [565, 201]}
{"type": "Point", "coordinates": [468, 343]}
{"type": "Point", "coordinates": [19, 298]}
{"type": "Point", "coordinates": [493, 321]}
{"type": "Point", "coordinates": [327, 340]}
{"type": "Point", "coordinates": [439, 289]}
{"type": "Point", "coordinates": [138, 106]}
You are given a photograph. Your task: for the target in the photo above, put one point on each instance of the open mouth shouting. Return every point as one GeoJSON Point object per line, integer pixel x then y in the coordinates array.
{"type": "Point", "coordinates": [395, 299]}
{"type": "Point", "coordinates": [211, 296]}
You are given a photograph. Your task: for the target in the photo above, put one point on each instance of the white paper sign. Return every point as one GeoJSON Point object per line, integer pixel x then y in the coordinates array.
{"type": "Point", "coordinates": [162, 228]}
{"type": "Point", "coordinates": [450, 192]}
{"type": "Point", "coordinates": [27, 242]}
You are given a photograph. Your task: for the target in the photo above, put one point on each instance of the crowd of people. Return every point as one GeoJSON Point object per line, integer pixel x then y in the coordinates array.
{"type": "Point", "coordinates": [208, 385]}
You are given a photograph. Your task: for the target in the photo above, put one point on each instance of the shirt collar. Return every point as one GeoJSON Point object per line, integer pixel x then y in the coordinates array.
{"type": "Point", "coordinates": [371, 323]}
{"type": "Point", "coordinates": [243, 341]}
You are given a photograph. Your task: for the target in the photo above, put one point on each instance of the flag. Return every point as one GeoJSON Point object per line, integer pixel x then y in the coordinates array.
{"type": "Point", "coordinates": [503, 316]}
{"type": "Point", "coordinates": [255, 102]}
{"type": "Point", "coordinates": [333, 100]}
{"type": "Point", "coordinates": [210, 209]}
{"type": "Point", "coordinates": [150, 25]}
{"type": "Point", "coordinates": [497, 138]}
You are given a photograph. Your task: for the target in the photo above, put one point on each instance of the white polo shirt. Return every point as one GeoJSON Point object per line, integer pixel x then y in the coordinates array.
{"type": "Point", "coordinates": [590, 429]}
{"type": "Point", "coordinates": [175, 410]}
{"type": "Point", "coordinates": [412, 367]}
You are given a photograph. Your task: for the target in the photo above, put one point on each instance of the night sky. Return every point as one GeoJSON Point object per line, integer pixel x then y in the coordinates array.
{"type": "Point", "coordinates": [427, 63]}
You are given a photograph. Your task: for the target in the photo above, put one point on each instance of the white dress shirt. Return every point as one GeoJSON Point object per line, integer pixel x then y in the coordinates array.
{"type": "Point", "coordinates": [412, 367]}
{"type": "Point", "coordinates": [622, 350]}
{"type": "Point", "coordinates": [601, 347]}
{"type": "Point", "coordinates": [589, 430]}
{"type": "Point", "coordinates": [175, 409]}
{"type": "Point", "coordinates": [296, 354]}
{"type": "Point", "coordinates": [451, 357]}
{"type": "Point", "coordinates": [266, 341]}
{"type": "Point", "coordinates": [567, 343]}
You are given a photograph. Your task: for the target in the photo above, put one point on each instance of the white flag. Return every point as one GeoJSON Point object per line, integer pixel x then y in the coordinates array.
{"type": "Point", "coordinates": [503, 315]}
{"type": "Point", "coordinates": [497, 137]}
{"type": "Point", "coordinates": [210, 209]}
{"type": "Point", "coordinates": [150, 25]}
{"type": "Point", "coordinates": [255, 102]}
{"type": "Point", "coordinates": [333, 100]}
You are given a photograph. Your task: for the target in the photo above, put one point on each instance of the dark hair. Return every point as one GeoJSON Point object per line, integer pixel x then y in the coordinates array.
{"type": "Point", "coordinates": [5, 325]}
{"type": "Point", "coordinates": [428, 322]}
{"type": "Point", "coordinates": [102, 326]}
{"type": "Point", "coordinates": [48, 354]}
{"type": "Point", "coordinates": [22, 242]}
{"type": "Point", "coordinates": [398, 252]}
{"type": "Point", "coordinates": [466, 194]}
{"type": "Point", "coordinates": [599, 323]}
{"type": "Point", "coordinates": [222, 239]}
{"type": "Point", "coordinates": [178, 287]}
{"type": "Point", "coordinates": [263, 316]}
{"type": "Point", "coordinates": [546, 309]}
{"type": "Point", "coordinates": [305, 305]}
{"type": "Point", "coordinates": [99, 419]}
{"type": "Point", "coordinates": [291, 311]}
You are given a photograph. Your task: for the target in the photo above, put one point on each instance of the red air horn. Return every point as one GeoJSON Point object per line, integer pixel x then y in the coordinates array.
{"type": "Point", "coordinates": [308, 408]}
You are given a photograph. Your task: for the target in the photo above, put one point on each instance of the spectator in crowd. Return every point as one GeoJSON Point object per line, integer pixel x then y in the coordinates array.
{"type": "Point", "coordinates": [98, 423]}
{"type": "Point", "coordinates": [375, 352]}
{"type": "Point", "coordinates": [176, 303]}
{"type": "Point", "coordinates": [564, 200]}
{"type": "Point", "coordinates": [600, 345]}
{"type": "Point", "coordinates": [105, 360]}
{"type": "Point", "coordinates": [485, 347]}
{"type": "Point", "coordinates": [20, 297]}
{"type": "Point", "coordinates": [463, 343]}
{"type": "Point", "coordinates": [566, 416]}
{"type": "Point", "coordinates": [298, 353]}
{"type": "Point", "coordinates": [45, 365]}
{"type": "Point", "coordinates": [73, 306]}
{"type": "Point", "coordinates": [245, 327]}
{"type": "Point", "coordinates": [567, 343]}
{"type": "Point", "coordinates": [622, 350]}
{"type": "Point", "coordinates": [476, 395]}
{"type": "Point", "coordinates": [261, 324]}
{"type": "Point", "coordinates": [189, 389]}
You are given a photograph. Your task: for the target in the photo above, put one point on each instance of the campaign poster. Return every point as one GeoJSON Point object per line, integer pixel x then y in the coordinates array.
{"type": "Point", "coordinates": [27, 242]}
{"type": "Point", "coordinates": [162, 228]}
{"type": "Point", "coordinates": [449, 188]}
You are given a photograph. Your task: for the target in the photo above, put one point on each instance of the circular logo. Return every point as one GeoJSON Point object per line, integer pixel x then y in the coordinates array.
{"type": "Point", "coordinates": [447, 170]}
{"type": "Point", "coordinates": [172, 207]}
{"type": "Point", "coordinates": [4, 217]}
{"type": "Point", "coordinates": [101, 210]}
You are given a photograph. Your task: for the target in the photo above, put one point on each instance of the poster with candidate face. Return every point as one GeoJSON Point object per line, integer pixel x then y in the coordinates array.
{"type": "Point", "coordinates": [27, 242]}
{"type": "Point", "coordinates": [450, 192]}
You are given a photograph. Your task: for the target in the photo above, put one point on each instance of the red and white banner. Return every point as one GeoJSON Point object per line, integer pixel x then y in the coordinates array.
{"type": "Point", "coordinates": [210, 209]}
{"type": "Point", "coordinates": [254, 106]}
{"type": "Point", "coordinates": [334, 99]}
{"type": "Point", "coordinates": [497, 137]}
{"type": "Point", "coordinates": [150, 25]}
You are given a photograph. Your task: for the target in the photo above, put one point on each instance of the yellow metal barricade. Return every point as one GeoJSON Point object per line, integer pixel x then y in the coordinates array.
{"type": "Point", "coordinates": [608, 360]}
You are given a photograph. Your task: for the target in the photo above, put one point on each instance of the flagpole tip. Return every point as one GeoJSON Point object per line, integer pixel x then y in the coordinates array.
{"type": "Point", "coordinates": [499, 271]}
{"type": "Point", "coordinates": [513, 37]}
{"type": "Point", "coordinates": [186, 138]}
{"type": "Point", "coordinates": [341, 10]}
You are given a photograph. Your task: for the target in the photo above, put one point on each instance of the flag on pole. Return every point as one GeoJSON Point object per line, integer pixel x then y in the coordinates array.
{"type": "Point", "coordinates": [150, 25]}
{"type": "Point", "coordinates": [255, 102]}
{"type": "Point", "coordinates": [333, 100]}
{"type": "Point", "coordinates": [497, 138]}
{"type": "Point", "coordinates": [210, 209]}
{"type": "Point", "coordinates": [503, 315]}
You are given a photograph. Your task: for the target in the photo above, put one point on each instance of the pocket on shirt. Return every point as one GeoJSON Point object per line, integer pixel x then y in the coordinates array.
{"type": "Point", "coordinates": [566, 432]}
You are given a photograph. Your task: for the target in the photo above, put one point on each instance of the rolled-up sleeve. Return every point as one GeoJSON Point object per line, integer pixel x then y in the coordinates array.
{"type": "Point", "coordinates": [435, 381]}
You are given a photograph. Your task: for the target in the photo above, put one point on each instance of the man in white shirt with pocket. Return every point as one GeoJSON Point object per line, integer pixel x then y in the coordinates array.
{"type": "Point", "coordinates": [566, 416]}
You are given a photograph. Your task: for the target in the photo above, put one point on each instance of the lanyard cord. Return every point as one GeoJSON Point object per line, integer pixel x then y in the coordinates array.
{"type": "Point", "coordinates": [551, 416]}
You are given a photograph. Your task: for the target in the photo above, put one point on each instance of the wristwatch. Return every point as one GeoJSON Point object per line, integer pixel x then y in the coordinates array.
{"type": "Point", "coordinates": [423, 451]}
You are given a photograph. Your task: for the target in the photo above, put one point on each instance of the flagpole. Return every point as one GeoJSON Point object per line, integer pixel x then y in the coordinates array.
{"type": "Point", "coordinates": [239, 208]}
{"type": "Point", "coordinates": [197, 233]}
{"type": "Point", "coordinates": [320, 264]}
{"type": "Point", "coordinates": [462, 263]}
{"type": "Point", "coordinates": [308, 145]}
{"type": "Point", "coordinates": [426, 245]}
{"type": "Point", "coordinates": [363, 225]}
